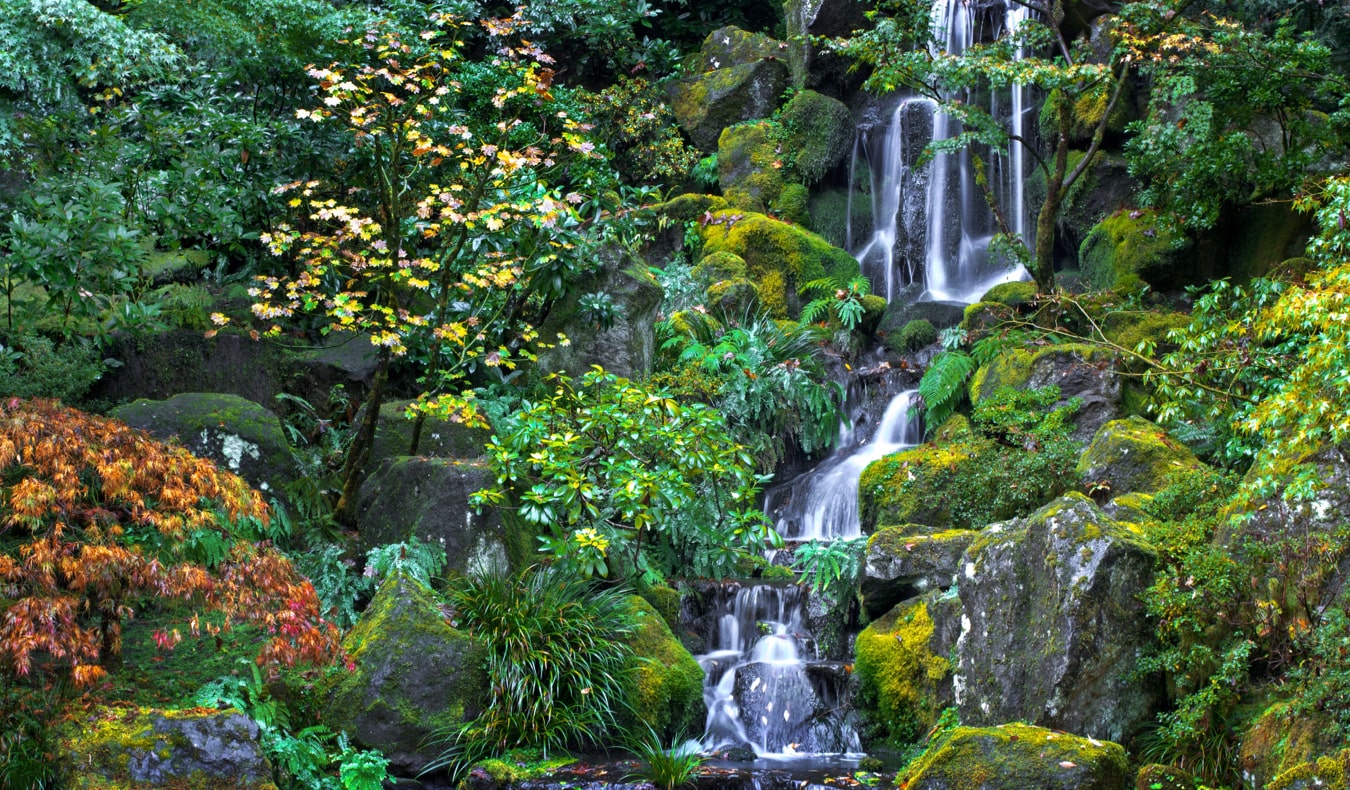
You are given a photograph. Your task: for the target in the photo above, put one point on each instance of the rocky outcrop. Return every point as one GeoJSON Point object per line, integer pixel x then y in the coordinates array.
{"type": "Point", "coordinates": [1133, 455]}
{"type": "Point", "coordinates": [166, 748]}
{"type": "Point", "coordinates": [409, 496]}
{"type": "Point", "coordinates": [1085, 372]}
{"type": "Point", "coordinates": [739, 76]}
{"type": "Point", "coordinates": [1054, 623]}
{"type": "Point", "coordinates": [238, 434]}
{"type": "Point", "coordinates": [414, 675]}
{"type": "Point", "coordinates": [818, 132]}
{"type": "Point", "coordinates": [1016, 757]}
{"type": "Point", "coordinates": [903, 671]}
{"type": "Point", "coordinates": [901, 564]}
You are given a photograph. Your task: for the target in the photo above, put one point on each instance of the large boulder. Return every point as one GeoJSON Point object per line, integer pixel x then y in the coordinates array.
{"type": "Point", "coordinates": [1088, 373]}
{"type": "Point", "coordinates": [238, 434]}
{"type": "Point", "coordinates": [739, 76]}
{"type": "Point", "coordinates": [1134, 455]}
{"type": "Point", "coordinates": [115, 748]}
{"type": "Point", "coordinates": [1016, 757]}
{"type": "Point", "coordinates": [1130, 246]}
{"type": "Point", "coordinates": [1055, 623]}
{"type": "Point", "coordinates": [627, 345]}
{"type": "Point", "coordinates": [903, 672]}
{"type": "Point", "coordinates": [666, 683]}
{"type": "Point", "coordinates": [814, 63]}
{"type": "Point", "coordinates": [1323, 772]}
{"type": "Point", "coordinates": [414, 675]}
{"type": "Point", "coordinates": [916, 486]}
{"type": "Point", "coordinates": [779, 258]}
{"type": "Point", "coordinates": [901, 564]}
{"type": "Point", "coordinates": [750, 165]}
{"type": "Point", "coordinates": [818, 133]}
{"type": "Point", "coordinates": [428, 498]}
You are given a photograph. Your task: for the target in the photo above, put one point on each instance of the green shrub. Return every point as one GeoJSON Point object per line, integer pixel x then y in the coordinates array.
{"type": "Point", "coordinates": [33, 366]}
{"type": "Point", "coordinates": [912, 336]}
{"type": "Point", "coordinates": [667, 769]}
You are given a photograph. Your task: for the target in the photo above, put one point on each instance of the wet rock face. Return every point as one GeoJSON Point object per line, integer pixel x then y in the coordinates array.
{"type": "Point", "coordinates": [1134, 455]}
{"type": "Point", "coordinates": [414, 674]}
{"type": "Point", "coordinates": [1017, 757]}
{"type": "Point", "coordinates": [238, 434]}
{"type": "Point", "coordinates": [901, 565]}
{"type": "Point", "coordinates": [740, 77]}
{"type": "Point", "coordinates": [429, 498]}
{"type": "Point", "coordinates": [1053, 623]}
{"type": "Point", "coordinates": [120, 748]}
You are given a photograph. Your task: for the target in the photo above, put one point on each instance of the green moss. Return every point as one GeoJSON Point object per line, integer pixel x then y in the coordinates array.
{"type": "Point", "coordinates": [689, 208]}
{"type": "Point", "coordinates": [1134, 455]}
{"type": "Point", "coordinates": [523, 765]}
{"type": "Point", "coordinates": [1014, 368]}
{"type": "Point", "coordinates": [912, 336]}
{"type": "Point", "coordinates": [1017, 756]}
{"type": "Point", "coordinates": [793, 205]}
{"type": "Point", "coordinates": [1165, 777]}
{"type": "Point", "coordinates": [780, 258]}
{"type": "Point", "coordinates": [750, 165]}
{"type": "Point", "coordinates": [874, 309]}
{"type": "Point", "coordinates": [666, 690]}
{"type": "Point", "coordinates": [900, 488]}
{"type": "Point", "coordinates": [1011, 294]}
{"type": "Point", "coordinates": [1324, 773]}
{"type": "Point", "coordinates": [1282, 740]}
{"type": "Point", "coordinates": [984, 315]}
{"type": "Point", "coordinates": [1128, 330]}
{"type": "Point", "coordinates": [1128, 243]}
{"type": "Point", "coordinates": [718, 266]}
{"type": "Point", "coordinates": [818, 133]}
{"type": "Point", "coordinates": [666, 601]}
{"type": "Point", "coordinates": [955, 429]}
{"type": "Point", "coordinates": [898, 675]}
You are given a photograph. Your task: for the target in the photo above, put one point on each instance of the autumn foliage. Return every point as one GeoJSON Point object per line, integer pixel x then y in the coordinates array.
{"type": "Point", "coordinates": [97, 518]}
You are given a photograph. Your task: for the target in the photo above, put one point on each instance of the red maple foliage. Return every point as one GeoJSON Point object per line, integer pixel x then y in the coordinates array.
{"type": "Point", "coordinates": [97, 518]}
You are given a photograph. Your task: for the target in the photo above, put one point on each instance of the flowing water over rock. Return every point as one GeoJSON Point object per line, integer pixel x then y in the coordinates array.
{"type": "Point", "coordinates": [932, 221]}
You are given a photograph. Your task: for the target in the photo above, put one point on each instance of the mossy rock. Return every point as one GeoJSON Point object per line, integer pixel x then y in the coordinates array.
{"type": "Point", "coordinates": [1165, 777]}
{"type": "Point", "coordinates": [142, 748]}
{"type": "Point", "coordinates": [1132, 508]}
{"type": "Point", "coordinates": [1088, 373]}
{"type": "Point", "coordinates": [1134, 455]}
{"type": "Point", "coordinates": [1010, 294]}
{"type": "Point", "coordinates": [1131, 243]}
{"type": "Point", "coordinates": [912, 336]}
{"type": "Point", "coordinates": [441, 438]}
{"type": "Point", "coordinates": [984, 315]}
{"type": "Point", "coordinates": [732, 297]}
{"type": "Point", "coordinates": [1324, 773]}
{"type": "Point", "coordinates": [666, 601]}
{"type": "Point", "coordinates": [689, 208]}
{"type": "Point", "coordinates": [238, 434]}
{"type": "Point", "coordinates": [874, 309]}
{"type": "Point", "coordinates": [414, 675]}
{"type": "Point", "coordinates": [666, 687]}
{"type": "Point", "coordinates": [906, 487]}
{"type": "Point", "coordinates": [750, 165]}
{"type": "Point", "coordinates": [1016, 757]}
{"type": "Point", "coordinates": [830, 215]}
{"type": "Point", "coordinates": [793, 205]}
{"type": "Point", "coordinates": [517, 766]}
{"type": "Point", "coordinates": [903, 308]}
{"type": "Point", "coordinates": [738, 76]}
{"type": "Point", "coordinates": [1130, 329]}
{"type": "Point", "coordinates": [779, 257]}
{"type": "Point", "coordinates": [902, 563]}
{"type": "Point", "coordinates": [1055, 623]}
{"type": "Point", "coordinates": [903, 679]}
{"type": "Point", "coordinates": [819, 131]}
{"type": "Point", "coordinates": [1279, 740]}
{"type": "Point", "coordinates": [429, 499]}
{"type": "Point", "coordinates": [957, 428]}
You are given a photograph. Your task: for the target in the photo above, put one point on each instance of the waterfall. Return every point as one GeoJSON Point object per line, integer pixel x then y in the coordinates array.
{"type": "Point", "coordinates": [823, 503]}
{"type": "Point", "coordinates": [937, 215]}
{"type": "Point", "coordinates": [764, 688]}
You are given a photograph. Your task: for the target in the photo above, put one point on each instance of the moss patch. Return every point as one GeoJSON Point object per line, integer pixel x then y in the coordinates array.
{"type": "Point", "coordinates": [666, 682]}
{"type": "Point", "coordinates": [1015, 757]}
{"type": "Point", "coordinates": [1011, 294]}
{"type": "Point", "coordinates": [818, 131]}
{"type": "Point", "coordinates": [900, 488]}
{"type": "Point", "coordinates": [1015, 368]}
{"type": "Point", "coordinates": [1324, 773]}
{"type": "Point", "coordinates": [523, 765]}
{"type": "Point", "coordinates": [898, 675]}
{"type": "Point", "coordinates": [1134, 455]}
{"type": "Point", "coordinates": [750, 165]}
{"type": "Point", "coordinates": [1129, 243]}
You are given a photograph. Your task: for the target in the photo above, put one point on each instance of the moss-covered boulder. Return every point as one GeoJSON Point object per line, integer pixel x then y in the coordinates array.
{"type": "Point", "coordinates": [440, 438]}
{"type": "Point", "coordinates": [238, 434]}
{"type": "Point", "coordinates": [833, 215]}
{"type": "Point", "coordinates": [750, 165]}
{"type": "Point", "coordinates": [624, 347]}
{"type": "Point", "coordinates": [666, 689]}
{"type": "Point", "coordinates": [909, 487]}
{"type": "Point", "coordinates": [793, 205]}
{"type": "Point", "coordinates": [818, 133]}
{"type": "Point", "coordinates": [911, 337]}
{"type": "Point", "coordinates": [1129, 329]}
{"type": "Point", "coordinates": [1088, 373]}
{"type": "Point", "coordinates": [1324, 773]}
{"type": "Point", "coordinates": [414, 675]}
{"type": "Point", "coordinates": [1011, 294]}
{"type": "Point", "coordinates": [738, 76]}
{"type": "Point", "coordinates": [780, 258]}
{"type": "Point", "coordinates": [900, 564]}
{"type": "Point", "coordinates": [1134, 455]}
{"type": "Point", "coordinates": [904, 676]}
{"type": "Point", "coordinates": [1282, 737]}
{"type": "Point", "coordinates": [1132, 244]}
{"type": "Point", "coordinates": [904, 308]}
{"type": "Point", "coordinates": [141, 748]}
{"type": "Point", "coordinates": [1055, 623]}
{"type": "Point", "coordinates": [1016, 757]}
{"type": "Point", "coordinates": [428, 498]}
{"type": "Point", "coordinates": [1104, 188]}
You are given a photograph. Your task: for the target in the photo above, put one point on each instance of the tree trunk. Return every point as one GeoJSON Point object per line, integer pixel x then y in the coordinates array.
{"type": "Point", "coordinates": [359, 452]}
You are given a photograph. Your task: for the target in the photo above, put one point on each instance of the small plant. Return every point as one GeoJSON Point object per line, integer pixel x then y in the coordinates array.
{"type": "Point", "coordinates": [419, 560]}
{"type": "Point", "coordinates": [943, 386]}
{"type": "Point", "coordinates": [838, 299]}
{"type": "Point", "coordinates": [666, 768]}
{"type": "Point", "coordinates": [831, 567]}
{"type": "Point", "coordinates": [599, 310]}
{"type": "Point", "coordinates": [704, 172]}
{"type": "Point", "coordinates": [33, 366]}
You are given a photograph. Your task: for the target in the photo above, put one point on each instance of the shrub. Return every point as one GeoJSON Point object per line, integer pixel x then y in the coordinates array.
{"type": "Point", "coordinates": [32, 366]}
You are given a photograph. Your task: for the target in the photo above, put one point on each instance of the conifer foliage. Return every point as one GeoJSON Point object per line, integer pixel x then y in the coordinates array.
{"type": "Point", "coordinates": [97, 518]}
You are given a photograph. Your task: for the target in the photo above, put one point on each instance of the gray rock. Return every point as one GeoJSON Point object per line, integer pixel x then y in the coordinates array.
{"type": "Point", "coordinates": [414, 675]}
{"type": "Point", "coordinates": [238, 434]}
{"type": "Point", "coordinates": [901, 565]}
{"type": "Point", "coordinates": [626, 348]}
{"type": "Point", "coordinates": [429, 498]}
{"type": "Point", "coordinates": [1134, 455]}
{"type": "Point", "coordinates": [440, 438]}
{"type": "Point", "coordinates": [117, 748]}
{"type": "Point", "coordinates": [739, 76]}
{"type": "Point", "coordinates": [1054, 624]}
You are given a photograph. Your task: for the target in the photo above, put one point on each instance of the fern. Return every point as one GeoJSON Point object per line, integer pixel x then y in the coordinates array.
{"type": "Point", "coordinates": [943, 385]}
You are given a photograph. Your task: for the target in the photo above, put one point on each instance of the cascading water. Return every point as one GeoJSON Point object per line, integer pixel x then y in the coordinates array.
{"type": "Point", "coordinates": [937, 215]}
{"type": "Point", "coordinates": [765, 690]}
{"type": "Point", "coordinates": [823, 503]}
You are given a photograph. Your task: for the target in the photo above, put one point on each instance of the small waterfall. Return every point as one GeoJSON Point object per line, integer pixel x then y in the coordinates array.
{"type": "Point", "coordinates": [937, 214]}
{"type": "Point", "coordinates": [823, 503]}
{"type": "Point", "coordinates": [764, 688]}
